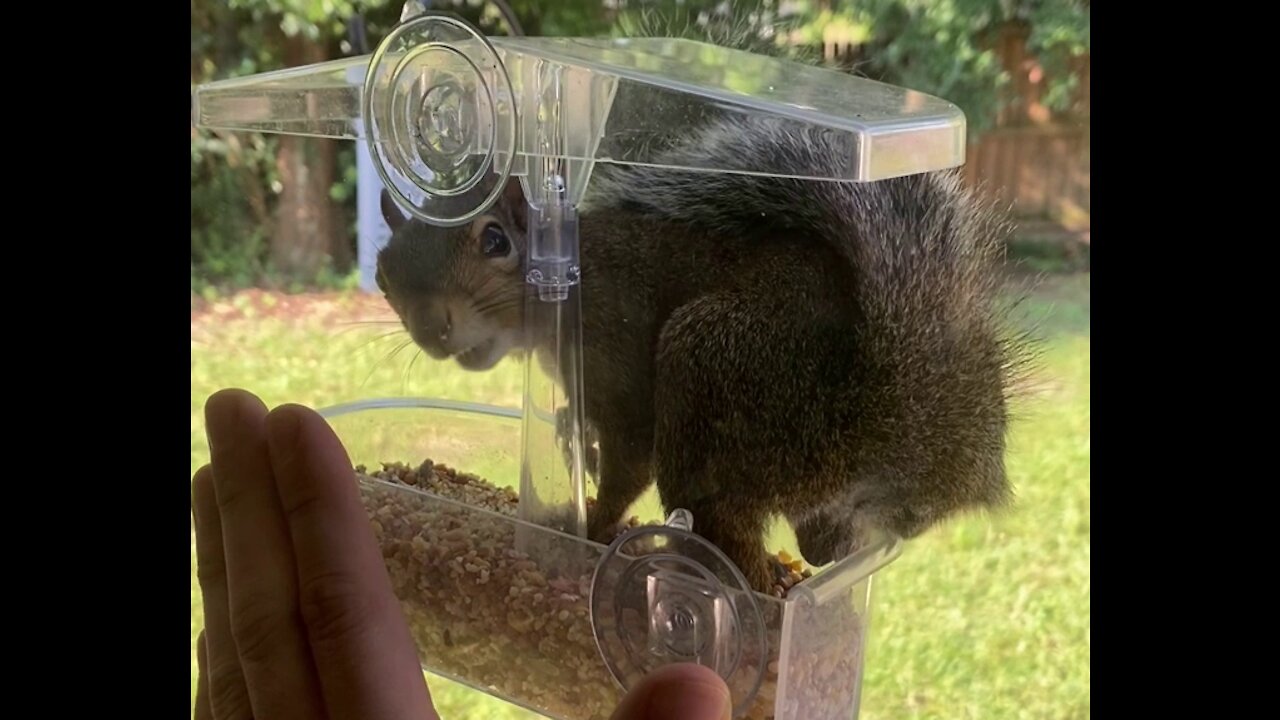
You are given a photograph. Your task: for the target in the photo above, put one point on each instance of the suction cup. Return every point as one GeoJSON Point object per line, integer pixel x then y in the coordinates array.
{"type": "Point", "coordinates": [662, 595]}
{"type": "Point", "coordinates": [440, 118]}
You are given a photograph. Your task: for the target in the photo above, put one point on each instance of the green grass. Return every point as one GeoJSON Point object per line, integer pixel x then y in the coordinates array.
{"type": "Point", "coordinates": [985, 617]}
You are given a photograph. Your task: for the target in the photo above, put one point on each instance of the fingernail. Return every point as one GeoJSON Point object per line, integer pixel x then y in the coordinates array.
{"type": "Point", "coordinates": [691, 699]}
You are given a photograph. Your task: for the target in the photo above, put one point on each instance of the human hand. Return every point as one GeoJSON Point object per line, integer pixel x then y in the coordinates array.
{"type": "Point", "coordinates": [300, 618]}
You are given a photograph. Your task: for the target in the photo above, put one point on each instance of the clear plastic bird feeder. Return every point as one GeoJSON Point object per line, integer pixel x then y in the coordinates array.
{"type": "Point", "coordinates": [449, 116]}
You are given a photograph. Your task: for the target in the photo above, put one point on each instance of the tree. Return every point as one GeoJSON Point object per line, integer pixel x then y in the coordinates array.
{"type": "Point", "coordinates": [309, 233]}
{"type": "Point", "coordinates": [288, 203]}
{"type": "Point", "coordinates": [943, 47]}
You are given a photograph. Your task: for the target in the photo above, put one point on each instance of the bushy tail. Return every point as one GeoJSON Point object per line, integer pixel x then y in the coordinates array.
{"type": "Point", "coordinates": [937, 361]}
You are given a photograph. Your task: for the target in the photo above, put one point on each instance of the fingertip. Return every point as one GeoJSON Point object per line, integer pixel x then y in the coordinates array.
{"type": "Point", "coordinates": [227, 408]}
{"type": "Point", "coordinates": [282, 427]}
{"type": "Point", "coordinates": [229, 403]}
{"type": "Point", "coordinates": [685, 691]}
{"type": "Point", "coordinates": [202, 478]}
{"type": "Point", "coordinates": [202, 652]}
{"type": "Point", "coordinates": [202, 493]}
{"type": "Point", "coordinates": [302, 415]}
{"type": "Point", "coordinates": [291, 426]}
{"type": "Point", "coordinates": [693, 692]}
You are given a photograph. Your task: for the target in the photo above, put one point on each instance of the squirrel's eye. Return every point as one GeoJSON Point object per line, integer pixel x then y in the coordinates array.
{"type": "Point", "coordinates": [494, 242]}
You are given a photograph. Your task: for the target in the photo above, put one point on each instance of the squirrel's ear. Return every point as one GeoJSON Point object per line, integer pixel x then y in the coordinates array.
{"type": "Point", "coordinates": [391, 212]}
{"type": "Point", "coordinates": [513, 199]}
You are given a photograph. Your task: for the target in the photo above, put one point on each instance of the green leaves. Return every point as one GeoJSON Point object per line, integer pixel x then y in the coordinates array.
{"type": "Point", "coordinates": [945, 47]}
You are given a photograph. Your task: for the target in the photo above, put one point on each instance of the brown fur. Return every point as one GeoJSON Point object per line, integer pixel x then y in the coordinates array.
{"type": "Point", "coordinates": [830, 352]}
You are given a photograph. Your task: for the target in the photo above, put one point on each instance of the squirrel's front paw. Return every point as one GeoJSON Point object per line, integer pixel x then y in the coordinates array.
{"type": "Point", "coordinates": [824, 539]}
{"type": "Point", "coordinates": [602, 529]}
{"type": "Point", "coordinates": [760, 576]}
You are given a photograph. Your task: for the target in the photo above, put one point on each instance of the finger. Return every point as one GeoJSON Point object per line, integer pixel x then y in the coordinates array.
{"type": "Point", "coordinates": [228, 698]}
{"type": "Point", "coordinates": [685, 691]}
{"type": "Point", "coordinates": [262, 585]}
{"type": "Point", "coordinates": [364, 655]}
{"type": "Point", "coordinates": [203, 709]}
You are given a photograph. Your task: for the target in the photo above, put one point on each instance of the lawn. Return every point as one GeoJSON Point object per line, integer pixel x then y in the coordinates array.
{"type": "Point", "coordinates": [985, 617]}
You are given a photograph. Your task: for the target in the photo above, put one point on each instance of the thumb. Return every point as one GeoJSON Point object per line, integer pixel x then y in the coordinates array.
{"type": "Point", "coordinates": [684, 691]}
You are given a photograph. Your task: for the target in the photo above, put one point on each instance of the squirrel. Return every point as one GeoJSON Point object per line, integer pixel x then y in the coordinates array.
{"type": "Point", "coordinates": [833, 352]}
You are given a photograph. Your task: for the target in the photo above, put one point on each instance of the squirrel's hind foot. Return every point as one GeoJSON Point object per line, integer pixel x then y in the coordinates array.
{"type": "Point", "coordinates": [824, 539]}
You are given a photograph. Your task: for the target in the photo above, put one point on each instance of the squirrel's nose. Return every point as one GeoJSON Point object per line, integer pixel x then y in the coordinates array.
{"type": "Point", "coordinates": [431, 328]}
